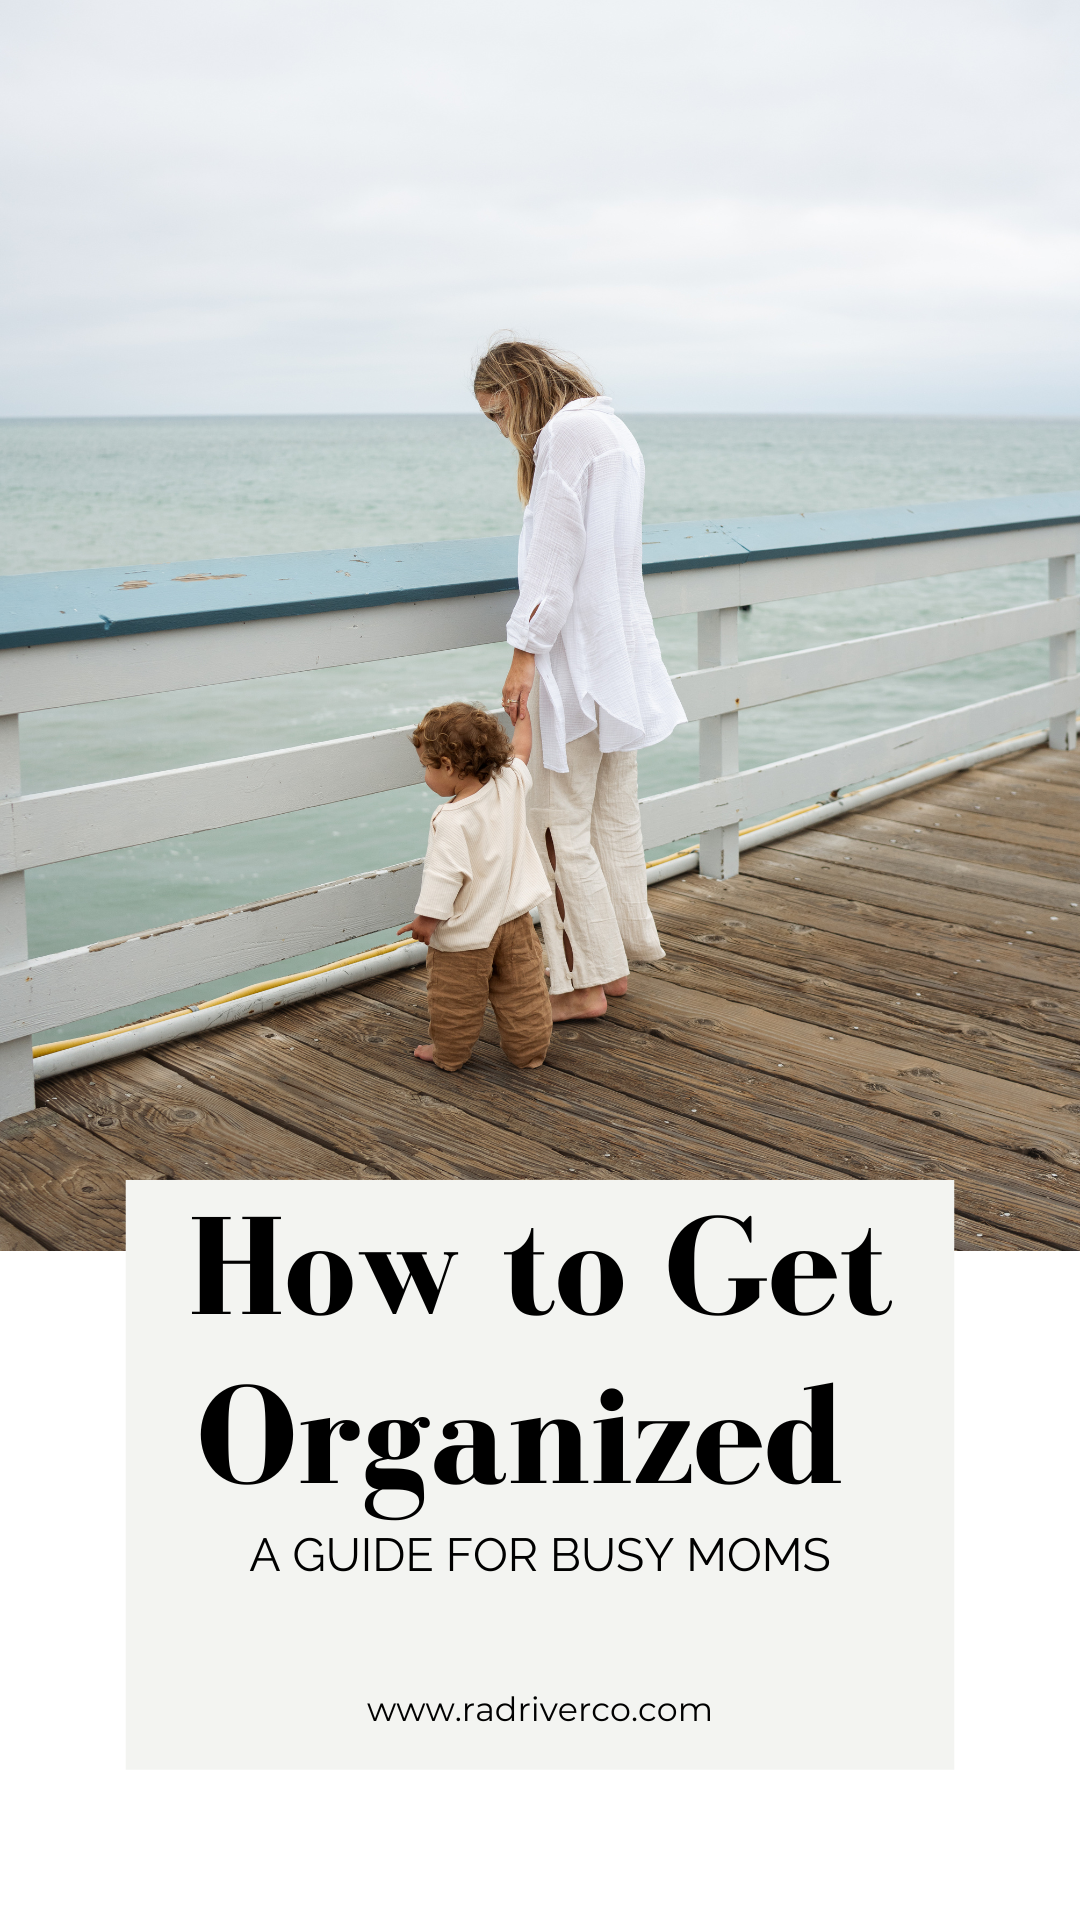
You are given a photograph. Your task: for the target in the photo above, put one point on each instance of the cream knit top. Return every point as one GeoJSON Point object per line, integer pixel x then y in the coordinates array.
{"type": "Point", "coordinates": [481, 868]}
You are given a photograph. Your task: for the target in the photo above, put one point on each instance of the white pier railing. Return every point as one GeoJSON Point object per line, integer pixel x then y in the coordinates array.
{"type": "Point", "coordinates": [57, 648]}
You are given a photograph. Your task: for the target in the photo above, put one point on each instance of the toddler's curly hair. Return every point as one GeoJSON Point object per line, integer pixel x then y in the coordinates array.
{"type": "Point", "coordinates": [473, 741]}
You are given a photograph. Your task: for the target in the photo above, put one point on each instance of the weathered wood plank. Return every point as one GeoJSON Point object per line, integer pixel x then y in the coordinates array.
{"type": "Point", "coordinates": [1034, 764]}
{"type": "Point", "coordinates": [1058, 765]}
{"type": "Point", "coordinates": [919, 1021]}
{"type": "Point", "coordinates": [973, 828]}
{"type": "Point", "coordinates": [903, 973]}
{"type": "Point", "coordinates": [14, 1240]}
{"type": "Point", "coordinates": [650, 1153]}
{"type": "Point", "coordinates": [952, 892]}
{"type": "Point", "coordinates": [794, 890]}
{"type": "Point", "coordinates": [166, 1120]}
{"type": "Point", "coordinates": [1004, 863]}
{"type": "Point", "coordinates": [668, 1066]}
{"type": "Point", "coordinates": [976, 1105]}
{"type": "Point", "coordinates": [1008, 808]}
{"type": "Point", "coordinates": [1052, 1065]}
{"type": "Point", "coordinates": [829, 1099]}
{"type": "Point", "coordinates": [973, 1238]}
{"type": "Point", "coordinates": [64, 1186]}
{"type": "Point", "coordinates": [866, 841]}
{"type": "Point", "coordinates": [404, 1135]}
{"type": "Point", "coordinates": [681, 1075]}
{"type": "Point", "coordinates": [1062, 769]}
{"type": "Point", "coordinates": [379, 1036]}
{"type": "Point", "coordinates": [1034, 799]}
{"type": "Point", "coordinates": [604, 1124]}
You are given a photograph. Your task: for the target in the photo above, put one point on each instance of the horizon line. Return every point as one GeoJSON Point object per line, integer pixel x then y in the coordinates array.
{"type": "Point", "coordinates": [447, 413]}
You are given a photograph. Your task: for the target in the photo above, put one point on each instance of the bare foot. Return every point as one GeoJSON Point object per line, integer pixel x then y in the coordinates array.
{"type": "Point", "coordinates": [583, 1003]}
{"type": "Point", "coordinates": [616, 988]}
{"type": "Point", "coordinates": [428, 1054]}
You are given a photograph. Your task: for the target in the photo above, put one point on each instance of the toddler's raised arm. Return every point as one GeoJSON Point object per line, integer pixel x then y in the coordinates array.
{"type": "Point", "coordinates": [522, 740]}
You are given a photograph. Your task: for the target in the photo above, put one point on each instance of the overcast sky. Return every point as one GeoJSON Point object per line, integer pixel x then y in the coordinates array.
{"type": "Point", "coordinates": [234, 206]}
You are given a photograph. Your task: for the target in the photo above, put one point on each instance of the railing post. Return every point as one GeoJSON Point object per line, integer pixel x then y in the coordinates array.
{"type": "Point", "coordinates": [718, 739]}
{"type": "Point", "coordinates": [16, 1056]}
{"type": "Point", "coordinates": [1062, 649]}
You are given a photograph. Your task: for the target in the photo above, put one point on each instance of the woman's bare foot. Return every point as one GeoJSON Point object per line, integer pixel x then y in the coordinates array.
{"type": "Point", "coordinates": [582, 1003]}
{"type": "Point", "coordinates": [614, 989]}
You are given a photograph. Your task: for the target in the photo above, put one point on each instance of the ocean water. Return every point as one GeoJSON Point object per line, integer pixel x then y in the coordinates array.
{"type": "Point", "coordinates": [83, 493]}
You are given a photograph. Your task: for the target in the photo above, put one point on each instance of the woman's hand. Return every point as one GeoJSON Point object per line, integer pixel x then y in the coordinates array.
{"type": "Point", "coordinates": [519, 684]}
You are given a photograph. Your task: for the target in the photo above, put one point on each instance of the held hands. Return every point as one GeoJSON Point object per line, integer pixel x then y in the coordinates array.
{"type": "Point", "coordinates": [421, 928]}
{"type": "Point", "coordinates": [518, 686]}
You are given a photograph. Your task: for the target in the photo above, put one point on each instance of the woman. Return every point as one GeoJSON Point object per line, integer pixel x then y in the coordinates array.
{"type": "Point", "coordinates": [586, 663]}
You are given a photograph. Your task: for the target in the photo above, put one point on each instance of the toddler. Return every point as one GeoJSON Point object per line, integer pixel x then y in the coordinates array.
{"type": "Point", "coordinates": [482, 877]}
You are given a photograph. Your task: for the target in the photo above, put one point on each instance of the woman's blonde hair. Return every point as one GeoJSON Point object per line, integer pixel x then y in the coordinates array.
{"type": "Point", "coordinates": [536, 386]}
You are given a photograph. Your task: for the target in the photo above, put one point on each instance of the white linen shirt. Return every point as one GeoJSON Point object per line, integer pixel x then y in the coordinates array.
{"type": "Point", "coordinates": [579, 565]}
{"type": "Point", "coordinates": [481, 868]}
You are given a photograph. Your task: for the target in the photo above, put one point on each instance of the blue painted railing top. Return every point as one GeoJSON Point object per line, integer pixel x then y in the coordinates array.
{"type": "Point", "coordinates": [37, 608]}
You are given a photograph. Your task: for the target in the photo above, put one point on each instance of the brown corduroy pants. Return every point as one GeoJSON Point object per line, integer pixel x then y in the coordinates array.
{"type": "Point", "coordinates": [509, 972]}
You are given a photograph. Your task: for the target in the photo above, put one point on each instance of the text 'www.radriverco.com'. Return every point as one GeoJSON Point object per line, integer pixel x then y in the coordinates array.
{"type": "Point", "coordinates": [536, 1712]}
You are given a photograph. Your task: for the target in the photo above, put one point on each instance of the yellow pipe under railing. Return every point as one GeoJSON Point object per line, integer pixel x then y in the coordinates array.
{"type": "Point", "coordinates": [200, 1006]}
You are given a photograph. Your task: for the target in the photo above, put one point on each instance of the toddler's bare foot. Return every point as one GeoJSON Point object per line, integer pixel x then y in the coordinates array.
{"type": "Point", "coordinates": [616, 988]}
{"type": "Point", "coordinates": [428, 1054]}
{"type": "Point", "coordinates": [582, 1003]}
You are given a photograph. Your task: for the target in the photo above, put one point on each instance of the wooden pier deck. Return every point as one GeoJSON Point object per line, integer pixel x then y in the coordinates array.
{"type": "Point", "coordinates": [893, 995]}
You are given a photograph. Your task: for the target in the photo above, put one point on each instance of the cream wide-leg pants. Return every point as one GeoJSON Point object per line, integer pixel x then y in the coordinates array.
{"type": "Point", "coordinates": [587, 830]}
